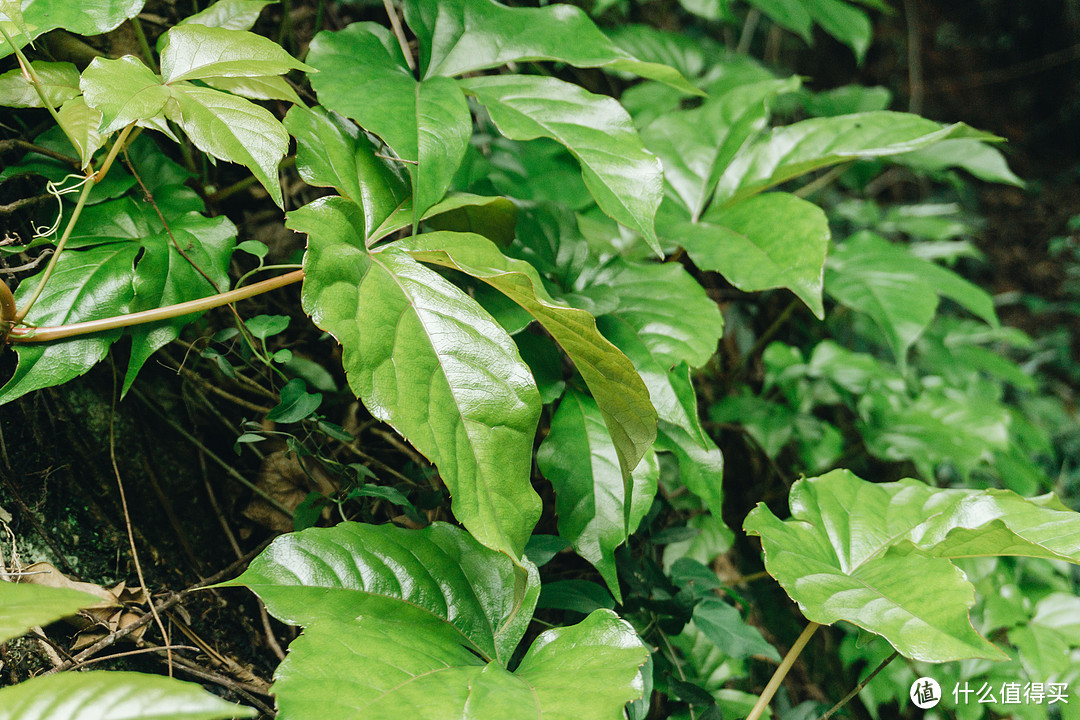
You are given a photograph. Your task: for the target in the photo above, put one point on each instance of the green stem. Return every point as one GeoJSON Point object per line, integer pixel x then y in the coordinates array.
{"type": "Point", "coordinates": [36, 82]}
{"type": "Point", "coordinates": [87, 187]}
{"type": "Point", "coordinates": [144, 44]}
{"type": "Point", "coordinates": [48, 334]}
{"type": "Point", "coordinates": [858, 688]}
{"type": "Point", "coordinates": [781, 672]}
{"type": "Point", "coordinates": [113, 152]}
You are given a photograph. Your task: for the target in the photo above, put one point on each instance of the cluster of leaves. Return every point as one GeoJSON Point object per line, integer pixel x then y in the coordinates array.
{"type": "Point", "coordinates": [481, 225]}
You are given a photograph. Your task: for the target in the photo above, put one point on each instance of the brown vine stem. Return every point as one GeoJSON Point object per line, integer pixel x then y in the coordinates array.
{"type": "Point", "coordinates": [781, 672]}
{"type": "Point", "coordinates": [48, 334]}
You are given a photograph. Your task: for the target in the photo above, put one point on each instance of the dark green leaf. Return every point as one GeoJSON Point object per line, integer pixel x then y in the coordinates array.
{"type": "Point", "coordinates": [597, 504]}
{"type": "Point", "coordinates": [722, 624]}
{"type": "Point", "coordinates": [296, 403]}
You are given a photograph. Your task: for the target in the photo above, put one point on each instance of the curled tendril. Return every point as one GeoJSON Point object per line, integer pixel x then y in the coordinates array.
{"type": "Point", "coordinates": [58, 191]}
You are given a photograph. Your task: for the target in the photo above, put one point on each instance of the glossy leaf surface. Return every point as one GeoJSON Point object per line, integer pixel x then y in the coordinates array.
{"type": "Point", "coordinates": [878, 555]}
{"type": "Point", "coordinates": [622, 397]}
{"type": "Point", "coordinates": [88, 17]}
{"type": "Point", "coordinates": [463, 36]}
{"type": "Point", "coordinates": [195, 52]}
{"type": "Point", "coordinates": [598, 507]}
{"type": "Point", "coordinates": [332, 152]}
{"type": "Point", "coordinates": [797, 149]}
{"type": "Point", "coordinates": [124, 90]}
{"type": "Point", "coordinates": [59, 81]}
{"type": "Point", "coordinates": [623, 177]}
{"type": "Point", "coordinates": [427, 359]}
{"type": "Point", "coordinates": [229, 14]}
{"type": "Point", "coordinates": [363, 76]}
{"type": "Point", "coordinates": [436, 577]}
{"type": "Point", "coordinates": [113, 696]}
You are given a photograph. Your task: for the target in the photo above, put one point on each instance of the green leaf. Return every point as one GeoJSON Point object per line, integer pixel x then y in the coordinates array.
{"type": "Point", "coordinates": [669, 390]}
{"type": "Point", "coordinates": [59, 81]}
{"type": "Point", "coordinates": [86, 285]}
{"type": "Point", "coordinates": [79, 18]}
{"type": "Point", "coordinates": [263, 87]}
{"type": "Point", "coordinates": [195, 52]}
{"type": "Point", "coordinates": [363, 76]}
{"type": "Point", "coordinates": [233, 129]}
{"type": "Point", "coordinates": [80, 124]}
{"type": "Point", "coordinates": [793, 15]}
{"type": "Point", "coordinates": [797, 149]}
{"type": "Point", "coordinates": [981, 160]}
{"type": "Point", "coordinates": [296, 403]}
{"type": "Point", "coordinates": [624, 178]}
{"type": "Point", "coordinates": [229, 14]}
{"type": "Point", "coordinates": [427, 359]}
{"type": "Point", "coordinates": [113, 696]}
{"type": "Point", "coordinates": [879, 555]}
{"type": "Point", "coordinates": [332, 152]}
{"type": "Point", "coordinates": [456, 587]}
{"type": "Point", "coordinates": [496, 211]}
{"type": "Point", "coordinates": [622, 397]}
{"type": "Point", "coordinates": [701, 465]}
{"type": "Point", "coordinates": [680, 325]}
{"type": "Point", "coordinates": [897, 289]}
{"type": "Point", "coordinates": [462, 36]}
{"type": "Point", "coordinates": [723, 625]}
{"type": "Point", "coordinates": [696, 145]}
{"type": "Point", "coordinates": [766, 241]}
{"type": "Point", "coordinates": [124, 90]}
{"type": "Point", "coordinates": [689, 55]}
{"type": "Point", "coordinates": [380, 669]}
{"type": "Point", "coordinates": [598, 506]}
{"type": "Point", "coordinates": [845, 22]}
{"type": "Point", "coordinates": [28, 605]}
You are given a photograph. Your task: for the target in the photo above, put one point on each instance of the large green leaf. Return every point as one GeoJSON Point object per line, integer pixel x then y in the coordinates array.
{"type": "Point", "coordinates": [897, 289]}
{"type": "Point", "coordinates": [196, 52]}
{"type": "Point", "coordinates": [597, 504]}
{"type": "Point", "coordinates": [622, 397]}
{"type": "Point", "coordinates": [669, 310]}
{"type": "Point", "coordinates": [87, 17]}
{"type": "Point", "coordinates": [879, 555]}
{"type": "Point", "coordinates": [981, 160]}
{"type": "Point", "coordinates": [766, 241]}
{"type": "Point", "coordinates": [113, 696]}
{"type": "Point", "coordinates": [423, 623]}
{"type": "Point", "coordinates": [332, 152]}
{"type": "Point", "coordinates": [625, 179]}
{"type": "Point", "coordinates": [233, 129]}
{"type": "Point", "coordinates": [696, 145]}
{"type": "Point", "coordinates": [797, 149]}
{"type": "Point", "coordinates": [363, 76]}
{"type": "Point", "coordinates": [839, 18]}
{"type": "Point", "coordinates": [80, 123]}
{"type": "Point", "coordinates": [701, 466]}
{"type": "Point", "coordinates": [462, 36]}
{"type": "Point", "coordinates": [427, 359]}
{"type": "Point", "coordinates": [438, 576]}
{"type": "Point", "coordinates": [229, 14]}
{"type": "Point", "coordinates": [28, 605]}
{"type": "Point", "coordinates": [124, 90]}
{"type": "Point", "coordinates": [59, 82]}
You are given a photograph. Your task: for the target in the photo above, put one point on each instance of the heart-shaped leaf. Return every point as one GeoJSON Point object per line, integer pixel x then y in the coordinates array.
{"type": "Point", "coordinates": [625, 179]}
{"type": "Point", "coordinates": [363, 76]}
{"type": "Point", "coordinates": [463, 36]}
{"type": "Point", "coordinates": [28, 605]}
{"type": "Point", "coordinates": [622, 398]}
{"type": "Point", "coordinates": [437, 644]}
{"type": "Point", "coordinates": [427, 359]}
{"type": "Point", "coordinates": [598, 506]}
{"type": "Point", "coordinates": [878, 555]}
{"type": "Point", "coordinates": [113, 696]}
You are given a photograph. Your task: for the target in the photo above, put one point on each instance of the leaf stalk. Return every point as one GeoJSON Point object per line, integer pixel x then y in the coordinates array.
{"type": "Point", "coordinates": [782, 671]}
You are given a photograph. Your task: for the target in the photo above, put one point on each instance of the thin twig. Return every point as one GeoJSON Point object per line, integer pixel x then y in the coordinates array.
{"type": "Point", "coordinates": [241, 689]}
{"type": "Point", "coordinates": [129, 653]}
{"type": "Point", "coordinates": [399, 33]}
{"type": "Point", "coordinates": [782, 671]}
{"type": "Point", "coordinates": [858, 688]}
{"type": "Point", "coordinates": [127, 523]}
{"type": "Point", "coordinates": [914, 53]}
